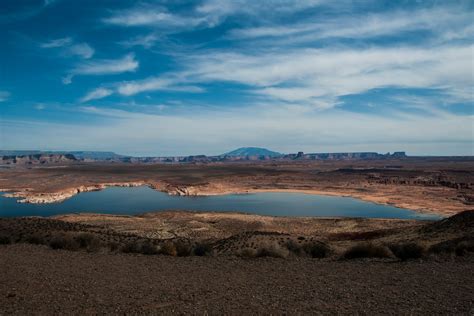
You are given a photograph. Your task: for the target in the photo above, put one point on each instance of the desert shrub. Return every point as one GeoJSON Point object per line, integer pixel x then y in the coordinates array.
{"type": "Point", "coordinates": [459, 246]}
{"type": "Point", "coordinates": [202, 249]}
{"type": "Point", "coordinates": [88, 241]}
{"type": "Point", "coordinates": [168, 249]}
{"type": "Point", "coordinates": [247, 253]}
{"type": "Point", "coordinates": [148, 248]}
{"type": "Point", "coordinates": [5, 240]}
{"type": "Point", "coordinates": [272, 250]}
{"type": "Point", "coordinates": [317, 250]}
{"type": "Point", "coordinates": [407, 251]}
{"type": "Point", "coordinates": [131, 247]}
{"type": "Point", "coordinates": [63, 241]}
{"type": "Point", "coordinates": [113, 246]}
{"type": "Point", "coordinates": [367, 250]}
{"type": "Point", "coordinates": [183, 249]}
{"type": "Point", "coordinates": [294, 248]}
{"type": "Point", "coordinates": [464, 247]}
{"type": "Point", "coordinates": [36, 239]}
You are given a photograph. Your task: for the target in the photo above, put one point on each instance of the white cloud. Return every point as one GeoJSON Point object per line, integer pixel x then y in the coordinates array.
{"type": "Point", "coordinates": [107, 66]}
{"type": "Point", "coordinates": [4, 96]}
{"type": "Point", "coordinates": [438, 20]}
{"type": "Point", "coordinates": [82, 50]}
{"type": "Point", "coordinates": [69, 48]}
{"type": "Point", "coordinates": [95, 94]}
{"type": "Point", "coordinates": [146, 41]}
{"type": "Point", "coordinates": [60, 42]}
{"type": "Point", "coordinates": [103, 67]}
{"type": "Point", "coordinates": [151, 16]}
{"type": "Point", "coordinates": [154, 84]}
{"type": "Point", "coordinates": [316, 75]}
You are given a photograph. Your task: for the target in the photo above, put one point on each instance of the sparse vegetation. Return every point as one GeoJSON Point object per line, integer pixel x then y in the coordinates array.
{"type": "Point", "coordinates": [88, 241]}
{"type": "Point", "coordinates": [367, 250]}
{"type": "Point", "coordinates": [5, 240]}
{"type": "Point", "coordinates": [202, 249]}
{"type": "Point", "coordinates": [168, 249]}
{"type": "Point", "coordinates": [316, 250]}
{"type": "Point", "coordinates": [407, 251]}
{"type": "Point", "coordinates": [64, 241]}
{"type": "Point", "coordinates": [272, 250]}
{"type": "Point", "coordinates": [183, 249]}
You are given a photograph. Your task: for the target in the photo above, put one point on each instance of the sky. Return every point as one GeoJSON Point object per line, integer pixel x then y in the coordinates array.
{"type": "Point", "coordinates": [162, 78]}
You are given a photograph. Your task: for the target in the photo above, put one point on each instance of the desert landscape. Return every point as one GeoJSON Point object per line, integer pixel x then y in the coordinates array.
{"type": "Point", "coordinates": [236, 157]}
{"type": "Point", "coordinates": [165, 256]}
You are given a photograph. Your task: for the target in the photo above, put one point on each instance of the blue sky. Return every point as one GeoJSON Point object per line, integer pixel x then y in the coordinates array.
{"type": "Point", "coordinates": [205, 77]}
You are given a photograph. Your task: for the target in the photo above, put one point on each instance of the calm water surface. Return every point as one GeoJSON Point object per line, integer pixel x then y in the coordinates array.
{"type": "Point", "coordinates": [136, 200]}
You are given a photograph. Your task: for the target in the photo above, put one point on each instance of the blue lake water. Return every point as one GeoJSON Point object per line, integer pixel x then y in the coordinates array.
{"type": "Point", "coordinates": [136, 200]}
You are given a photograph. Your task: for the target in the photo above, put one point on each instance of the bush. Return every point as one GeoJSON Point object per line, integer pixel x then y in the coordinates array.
{"type": "Point", "coordinates": [131, 247]}
{"type": "Point", "coordinates": [202, 249]}
{"type": "Point", "coordinates": [168, 249]}
{"type": "Point", "coordinates": [64, 241]}
{"type": "Point", "coordinates": [183, 249]}
{"type": "Point", "coordinates": [464, 247]}
{"type": "Point", "coordinates": [459, 246]}
{"type": "Point", "coordinates": [148, 248]}
{"type": "Point", "coordinates": [247, 253]}
{"type": "Point", "coordinates": [317, 250]}
{"type": "Point", "coordinates": [35, 239]}
{"type": "Point", "coordinates": [294, 248]}
{"type": "Point", "coordinates": [407, 251]}
{"type": "Point", "coordinates": [5, 240]}
{"type": "Point", "coordinates": [113, 246]}
{"type": "Point", "coordinates": [88, 241]}
{"type": "Point", "coordinates": [272, 250]}
{"type": "Point", "coordinates": [367, 250]}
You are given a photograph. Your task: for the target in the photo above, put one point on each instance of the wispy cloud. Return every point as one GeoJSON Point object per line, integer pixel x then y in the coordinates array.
{"type": "Point", "coordinates": [69, 48]}
{"type": "Point", "coordinates": [154, 84]}
{"type": "Point", "coordinates": [146, 41]}
{"type": "Point", "coordinates": [104, 67]}
{"type": "Point", "coordinates": [319, 75]}
{"type": "Point", "coordinates": [55, 43]}
{"type": "Point", "coordinates": [4, 96]}
{"type": "Point", "coordinates": [437, 20]}
{"type": "Point", "coordinates": [95, 94]}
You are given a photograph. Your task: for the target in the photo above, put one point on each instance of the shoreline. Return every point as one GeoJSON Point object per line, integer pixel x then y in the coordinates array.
{"type": "Point", "coordinates": [27, 196]}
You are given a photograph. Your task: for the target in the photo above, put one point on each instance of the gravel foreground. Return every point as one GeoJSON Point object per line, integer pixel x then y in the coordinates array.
{"type": "Point", "coordinates": [37, 280]}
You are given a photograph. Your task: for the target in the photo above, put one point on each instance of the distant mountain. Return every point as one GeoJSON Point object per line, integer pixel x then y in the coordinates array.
{"type": "Point", "coordinates": [89, 155]}
{"type": "Point", "coordinates": [252, 151]}
{"type": "Point", "coordinates": [37, 159]}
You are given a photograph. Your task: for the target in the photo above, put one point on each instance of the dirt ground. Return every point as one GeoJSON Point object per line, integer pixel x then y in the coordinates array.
{"type": "Point", "coordinates": [37, 280]}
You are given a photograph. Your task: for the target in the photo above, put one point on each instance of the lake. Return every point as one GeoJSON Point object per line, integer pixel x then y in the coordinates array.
{"type": "Point", "coordinates": [136, 200]}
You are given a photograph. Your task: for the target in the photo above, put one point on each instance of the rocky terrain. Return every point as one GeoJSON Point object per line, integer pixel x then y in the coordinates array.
{"type": "Point", "coordinates": [221, 263]}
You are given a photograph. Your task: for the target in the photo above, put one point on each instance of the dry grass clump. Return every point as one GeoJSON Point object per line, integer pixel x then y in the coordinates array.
{"type": "Point", "coordinates": [316, 250]}
{"type": "Point", "coordinates": [168, 249]}
{"type": "Point", "coordinates": [143, 247]}
{"type": "Point", "coordinates": [310, 249]}
{"type": "Point", "coordinates": [459, 247]}
{"type": "Point", "coordinates": [64, 241]}
{"type": "Point", "coordinates": [407, 251]}
{"type": "Point", "coordinates": [273, 250]}
{"type": "Point", "coordinates": [367, 250]}
{"type": "Point", "coordinates": [88, 241]}
{"type": "Point", "coordinates": [183, 248]}
{"type": "Point", "coordinates": [202, 249]}
{"type": "Point", "coordinates": [5, 240]}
